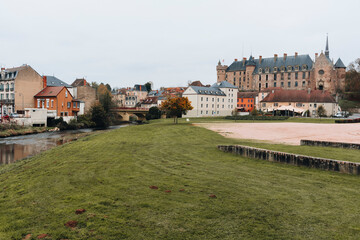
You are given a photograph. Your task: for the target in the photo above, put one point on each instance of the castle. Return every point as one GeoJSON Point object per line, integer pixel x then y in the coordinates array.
{"type": "Point", "coordinates": [298, 72]}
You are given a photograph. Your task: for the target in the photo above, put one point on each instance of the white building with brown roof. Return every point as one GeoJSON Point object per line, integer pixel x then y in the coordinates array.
{"type": "Point", "coordinates": [289, 102]}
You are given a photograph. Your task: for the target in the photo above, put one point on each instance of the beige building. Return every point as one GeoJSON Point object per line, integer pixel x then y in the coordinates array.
{"type": "Point", "coordinates": [298, 72]}
{"type": "Point", "coordinates": [17, 88]}
{"type": "Point", "coordinates": [82, 91]}
{"type": "Point", "coordinates": [135, 95]}
{"type": "Point", "coordinates": [297, 102]}
{"type": "Point", "coordinates": [218, 100]}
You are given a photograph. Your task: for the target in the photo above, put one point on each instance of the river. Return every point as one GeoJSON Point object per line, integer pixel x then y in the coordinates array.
{"type": "Point", "coordinates": [20, 147]}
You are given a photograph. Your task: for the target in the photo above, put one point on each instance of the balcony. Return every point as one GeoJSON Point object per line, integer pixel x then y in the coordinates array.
{"type": "Point", "coordinates": [6, 101]}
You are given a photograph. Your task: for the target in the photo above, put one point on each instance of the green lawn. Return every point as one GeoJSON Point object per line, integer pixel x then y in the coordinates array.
{"type": "Point", "coordinates": [109, 175]}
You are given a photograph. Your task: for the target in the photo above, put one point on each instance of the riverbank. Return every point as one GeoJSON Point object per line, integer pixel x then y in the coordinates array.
{"type": "Point", "coordinates": [22, 131]}
{"type": "Point", "coordinates": [166, 181]}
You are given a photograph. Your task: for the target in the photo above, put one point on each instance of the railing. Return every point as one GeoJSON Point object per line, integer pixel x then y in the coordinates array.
{"type": "Point", "coordinates": [7, 101]}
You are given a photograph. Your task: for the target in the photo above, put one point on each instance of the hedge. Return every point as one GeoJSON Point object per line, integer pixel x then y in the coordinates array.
{"type": "Point", "coordinates": [356, 120]}
{"type": "Point", "coordinates": [248, 117]}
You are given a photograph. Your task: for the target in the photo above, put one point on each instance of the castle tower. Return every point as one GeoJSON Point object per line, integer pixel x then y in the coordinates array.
{"type": "Point", "coordinates": [221, 72]}
{"type": "Point", "coordinates": [327, 52]}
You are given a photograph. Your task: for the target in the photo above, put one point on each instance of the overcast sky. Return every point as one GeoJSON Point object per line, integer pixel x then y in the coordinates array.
{"type": "Point", "coordinates": [168, 42]}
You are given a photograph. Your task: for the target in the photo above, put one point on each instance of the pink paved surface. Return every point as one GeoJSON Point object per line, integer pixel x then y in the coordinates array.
{"type": "Point", "coordinates": [288, 133]}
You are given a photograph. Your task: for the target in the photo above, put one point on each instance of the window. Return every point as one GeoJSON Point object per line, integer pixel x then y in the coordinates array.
{"type": "Point", "coordinates": [296, 84]}
{"type": "Point", "coordinates": [315, 105]}
{"type": "Point", "coordinates": [282, 76]}
{"type": "Point", "coordinates": [66, 114]}
{"type": "Point", "coordinates": [259, 77]}
{"type": "Point", "coordinates": [304, 75]}
{"type": "Point", "coordinates": [47, 103]}
{"type": "Point", "coordinates": [303, 83]}
{"type": "Point", "coordinates": [74, 104]}
{"type": "Point", "coordinates": [275, 69]}
{"type": "Point", "coordinates": [267, 77]}
{"type": "Point", "coordinates": [66, 94]}
{"type": "Point", "coordinates": [282, 68]}
{"type": "Point", "coordinates": [207, 105]}
{"type": "Point", "coordinates": [201, 105]}
{"type": "Point", "coordinates": [297, 68]}
{"type": "Point", "coordinates": [38, 102]}
{"type": "Point", "coordinates": [298, 104]}
{"type": "Point", "coordinates": [260, 70]}
{"type": "Point", "coordinates": [275, 76]}
{"type": "Point", "coordinates": [289, 68]}
{"type": "Point", "coordinates": [282, 84]}
{"type": "Point", "coordinates": [213, 99]}
{"type": "Point", "coordinates": [304, 67]}
{"type": "Point", "coordinates": [218, 99]}
{"type": "Point", "coordinates": [289, 76]}
{"type": "Point", "coordinates": [267, 70]}
{"type": "Point", "coordinates": [69, 105]}
{"type": "Point", "coordinates": [289, 84]}
{"type": "Point", "coordinates": [12, 87]}
{"type": "Point", "coordinates": [296, 75]}
{"type": "Point", "coordinates": [274, 84]}
{"type": "Point", "coordinates": [207, 99]}
{"type": "Point", "coordinates": [202, 98]}
{"type": "Point", "coordinates": [264, 104]}
{"type": "Point", "coordinates": [7, 96]}
{"type": "Point", "coordinates": [201, 112]}
{"type": "Point", "coordinates": [206, 112]}
{"type": "Point", "coordinates": [276, 104]}
{"type": "Point", "coordinates": [52, 103]}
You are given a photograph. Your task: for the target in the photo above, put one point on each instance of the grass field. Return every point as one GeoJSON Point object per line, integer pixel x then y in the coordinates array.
{"type": "Point", "coordinates": [109, 175]}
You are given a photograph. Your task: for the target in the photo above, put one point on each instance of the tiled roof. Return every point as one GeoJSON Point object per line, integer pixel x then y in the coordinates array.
{"type": "Point", "coordinates": [270, 63]}
{"type": "Point", "coordinates": [80, 82]}
{"type": "Point", "coordinates": [208, 91]}
{"type": "Point", "coordinates": [150, 100]}
{"type": "Point", "coordinates": [339, 64]}
{"type": "Point", "coordinates": [270, 89]}
{"type": "Point", "coordinates": [196, 83]}
{"type": "Point", "coordinates": [49, 92]}
{"type": "Point", "coordinates": [52, 81]}
{"type": "Point", "coordinates": [316, 96]}
{"type": "Point", "coordinates": [247, 94]}
{"type": "Point", "coordinates": [223, 84]}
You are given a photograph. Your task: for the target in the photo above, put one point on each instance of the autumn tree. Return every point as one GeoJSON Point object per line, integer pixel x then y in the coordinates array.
{"type": "Point", "coordinates": [352, 79]}
{"type": "Point", "coordinates": [321, 111]}
{"type": "Point", "coordinates": [176, 106]}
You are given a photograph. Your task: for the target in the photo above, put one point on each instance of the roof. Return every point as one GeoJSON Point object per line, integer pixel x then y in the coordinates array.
{"type": "Point", "coordinates": [317, 96]}
{"type": "Point", "coordinates": [150, 100]}
{"type": "Point", "coordinates": [49, 92]}
{"type": "Point", "coordinates": [80, 82]}
{"type": "Point", "coordinates": [223, 84]}
{"type": "Point", "coordinates": [196, 83]}
{"type": "Point", "coordinates": [141, 88]}
{"type": "Point", "coordinates": [208, 91]}
{"type": "Point", "coordinates": [52, 81]}
{"type": "Point", "coordinates": [247, 94]}
{"type": "Point", "coordinates": [339, 64]}
{"type": "Point", "coordinates": [270, 63]}
{"type": "Point", "coordinates": [270, 89]}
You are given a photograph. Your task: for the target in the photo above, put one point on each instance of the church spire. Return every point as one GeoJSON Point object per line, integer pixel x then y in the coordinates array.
{"type": "Point", "coordinates": [327, 53]}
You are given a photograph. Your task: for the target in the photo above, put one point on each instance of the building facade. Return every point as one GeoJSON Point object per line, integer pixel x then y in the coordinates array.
{"type": "Point", "coordinates": [218, 100]}
{"type": "Point", "coordinates": [17, 88]}
{"type": "Point", "coordinates": [297, 72]}
{"type": "Point", "coordinates": [300, 101]}
{"type": "Point", "coordinates": [82, 91]}
{"type": "Point", "coordinates": [246, 101]}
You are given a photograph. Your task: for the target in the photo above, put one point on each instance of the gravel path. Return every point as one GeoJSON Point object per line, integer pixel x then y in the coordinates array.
{"type": "Point", "coordinates": [288, 133]}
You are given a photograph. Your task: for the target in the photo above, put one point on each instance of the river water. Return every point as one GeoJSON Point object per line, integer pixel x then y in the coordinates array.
{"type": "Point", "coordinates": [19, 147]}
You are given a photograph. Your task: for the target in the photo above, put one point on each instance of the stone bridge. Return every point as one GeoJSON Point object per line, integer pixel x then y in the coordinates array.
{"type": "Point", "coordinates": [125, 113]}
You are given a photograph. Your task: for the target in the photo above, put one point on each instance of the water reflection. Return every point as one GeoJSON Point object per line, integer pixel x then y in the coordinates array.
{"type": "Point", "coordinates": [19, 147]}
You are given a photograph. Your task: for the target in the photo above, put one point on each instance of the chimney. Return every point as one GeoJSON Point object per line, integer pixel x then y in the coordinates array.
{"type": "Point", "coordinates": [275, 57]}
{"type": "Point", "coordinates": [309, 90]}
{"type": "Point", "coordinates": [84, 82]}
{"type": "Point", "coordinates": [316, 55]}
{"type": "Point", "coordinates": [235, 59]}
{"type": "Point", "coordinates": [296, 54]}
{"type": "Point", "coordinates": [244, 60]}
{"type": "Point", "coordinates": [285, 55]}
{"type": "Point", "coordinates": [44, 81]}
{"type": "Point", "coordinates": [260, 58]}
{"type": "Point", "coordinates": [2, 69]}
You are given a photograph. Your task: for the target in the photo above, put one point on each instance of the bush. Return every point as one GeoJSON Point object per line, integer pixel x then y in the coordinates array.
{"type": "Point", "coordinates": [99, 117]}
{"type": "Point", "coordinates": [154, 113]}
{"type": "Point", "coordinates": [356, 120]}
{"type": "Point", "coordinates": [248, 117]}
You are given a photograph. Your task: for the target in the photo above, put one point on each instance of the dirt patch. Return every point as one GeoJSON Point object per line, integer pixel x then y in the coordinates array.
{"type": "Point", "coordinates": [288, 133]}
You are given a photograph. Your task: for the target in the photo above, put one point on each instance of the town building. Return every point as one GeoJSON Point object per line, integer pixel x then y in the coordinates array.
{"type": "Point", "coordinates": [57, 100]}
{"type": "Point", "coordinates": [82, 91]}
{"type": "Point", "coordinates": [118, 97]}
{"type": "Point", "coordinates": [298, 102]}
{"type": "Point", "coordinates": [246, 101]}
{"type": "Point", "coordinates": [135, 95]}
{"type": "Point", "coordinates": [149, 102]}
{"type": "Point", "coordinates": [18, 86]}
{"type": "Point", "coordinates": [263, 93]}
{"type": "Point", "coordinates": [218, 100]}
{"type": "Point", "coordinates": [297, 72]}
{"type": "Point", "coordinates": [52, 81]}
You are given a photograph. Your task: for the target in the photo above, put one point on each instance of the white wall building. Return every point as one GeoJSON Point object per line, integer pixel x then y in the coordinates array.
{"type": "Point", "coordinates": [218, 100]}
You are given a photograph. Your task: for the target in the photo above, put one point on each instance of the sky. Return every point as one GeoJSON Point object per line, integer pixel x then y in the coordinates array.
{"type": "Point", "coordinates": [169, 43]}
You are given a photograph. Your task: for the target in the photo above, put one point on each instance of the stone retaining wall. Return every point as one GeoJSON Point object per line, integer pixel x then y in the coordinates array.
{"type": "Point", "coordinates": [330, 144]}
{"type": "Point", "coordinates": [294, 159]}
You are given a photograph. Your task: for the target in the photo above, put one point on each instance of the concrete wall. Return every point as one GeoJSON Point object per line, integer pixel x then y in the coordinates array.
{"type": "Point", "coordinates": [330, 144]}
{"type": "Point", "coordinates": [294, 159]}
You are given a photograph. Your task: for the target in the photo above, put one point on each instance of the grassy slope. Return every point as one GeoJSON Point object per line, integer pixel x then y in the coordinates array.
{"type": "Point", "coordinates": [109, 175]}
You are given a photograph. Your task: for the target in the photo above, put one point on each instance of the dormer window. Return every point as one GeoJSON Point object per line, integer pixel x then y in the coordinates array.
{"type": "Point", "coordinates": [289, 68]}
{"type": "Point", "coordinates": [275, 69]}
{"type": "Point", "coordinates": [267, 70]}
{"type": "Point", "coordinates": [260, 70]}
{"type": "Point", "coordinates": [297, 68]}
{"type": "Point", "coordinates": [282, 68]}
{"type": "Point", "coordinates": [304, 67]}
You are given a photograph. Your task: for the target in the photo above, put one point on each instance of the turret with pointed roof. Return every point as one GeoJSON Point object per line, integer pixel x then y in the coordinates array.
{"type": "Point", "coordinates": [327, 52]}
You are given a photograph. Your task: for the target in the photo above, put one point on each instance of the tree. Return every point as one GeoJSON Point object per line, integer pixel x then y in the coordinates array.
{"type": "Point", "coordinates": [254, 112]}
{"type": "Point", "coordinates": [108, 87]}
{"type": "Point", "coordinates": [99, 116]}
{"type": "Point", "coordinates": [154, 113]}
{"type": "Point", "coordinates": [106, 101]}
{"type": "Point", "coordinates": [94, 85]}
{"type": "Point", "coordinates": [352, 77]}
{"type": "Point", "coordinates": [176, 106]}
{"type": "Point", "coordinates": [148, 86]}
{"type": "Point", "coordinates": [321, 111]}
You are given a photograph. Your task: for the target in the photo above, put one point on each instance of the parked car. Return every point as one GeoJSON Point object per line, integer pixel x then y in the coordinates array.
{"type": "Point", "coordinates": [14, 115]}
{"type": "Point", "coordinates": [339, 115]}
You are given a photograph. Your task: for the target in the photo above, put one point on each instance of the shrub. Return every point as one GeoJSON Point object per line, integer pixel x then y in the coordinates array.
{"type": "Point", "coordinates": [248, 117]}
